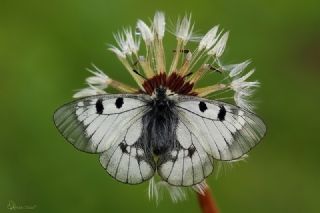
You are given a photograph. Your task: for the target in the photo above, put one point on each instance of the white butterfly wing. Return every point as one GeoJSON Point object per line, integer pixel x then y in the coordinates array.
{"type": "Point", "coordinates": [126, 160]}
{"type": "Point", "coordinates": [188, 163]}
{"type": "Point", "coordinates": [226, 132]}
{"type": "Point", "coordinates": [110, 125]}
{"type": "Point", "coordinates": [207, 130]}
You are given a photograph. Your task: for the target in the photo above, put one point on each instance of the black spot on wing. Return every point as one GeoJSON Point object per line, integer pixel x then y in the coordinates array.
{"type": "Point", "coordinates": [123, 147]}
{"type": "Point", "coordinates": [191, 151]}
{"type": "Point", "coordinates": [99, 106]}
{"type": "Point", "coordinates": [202, 106]}
{"type": "Point", "coordinates": [119, 102]}
{"type": "Point", "coordinates": [222, 113]}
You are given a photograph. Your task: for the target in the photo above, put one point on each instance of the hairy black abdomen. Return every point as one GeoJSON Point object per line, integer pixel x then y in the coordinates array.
{"type": "Point", "coordinates": [159, 128]}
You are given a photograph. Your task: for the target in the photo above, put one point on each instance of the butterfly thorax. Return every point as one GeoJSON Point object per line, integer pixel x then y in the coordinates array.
{"type": "Point", "coordinates": [160, 122]}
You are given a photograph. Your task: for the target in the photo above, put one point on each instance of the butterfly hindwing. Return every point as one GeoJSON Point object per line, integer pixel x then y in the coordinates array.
{"type": "Point", "coordinates": [126, 159]}
{"type": "Point", "coordinates": [226, 132]}
{"type": "Point", "coordinates": [128, 163]}
{"type": "Point", "coordinates": [187, 163]}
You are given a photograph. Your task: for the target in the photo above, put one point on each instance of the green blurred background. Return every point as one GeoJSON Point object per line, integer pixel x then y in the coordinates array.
{"type": "Point", "coordinates": [45, 47]}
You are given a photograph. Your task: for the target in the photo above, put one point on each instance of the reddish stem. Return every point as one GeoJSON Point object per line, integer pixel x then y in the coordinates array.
{"type": "Point", "coordinates": [207, 202]}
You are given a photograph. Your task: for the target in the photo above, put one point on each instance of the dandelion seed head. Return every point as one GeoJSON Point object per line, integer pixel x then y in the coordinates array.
{"type": "Point", "coordinates": [209, 39]}
{"type": "Point", "coordinates": [150, 67]}
{"type": "Point", "coordinates": [157, 188]}
{"type": "Point", "coordinates": [145, 32]}
{"type": "Point", "coordinates": [220, 46]}
{"type": "Point", "coordinates": [187, 66]}
{"type": "Point", "coordinates": [159, 24]}
{"type": "Point", "coordinates": [126, 42]}
{"type": "Point", "coordinates": [237, 69]}
{"type": "Point", "coordinates": [184, 28]}
{"type": "Point", "coordinates": [117, 51]}
{"type": "Point", "coordinates": [88, 91]}
{"type": "Point", "coordinates": [99, 79]}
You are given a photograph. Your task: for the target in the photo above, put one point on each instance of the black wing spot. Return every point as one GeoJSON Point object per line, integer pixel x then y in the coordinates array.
{"type": "Point", "coordinates": [191, 151]}
{"type": "Point", "coordinates": [119, 102]}
{"type": "Point", "coordinates": [222, 113]}
{"type": "Point", "coordinates": [139, 158]}
{"type": "Point", "coordinates": [99, 106]}
{"type": "Point", "coordinates": [202, 106]}
{"type": "Point", "coordinates": [123, 147]}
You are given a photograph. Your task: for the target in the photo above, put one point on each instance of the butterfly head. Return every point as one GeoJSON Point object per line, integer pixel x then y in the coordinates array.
{"type": "Point", "coordinates": [161, 98]}
{"type": "Point", "coordinates": [161, 93]}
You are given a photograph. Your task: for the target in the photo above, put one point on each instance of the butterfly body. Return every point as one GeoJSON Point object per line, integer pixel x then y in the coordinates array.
{"type": "Point", "coordinates": [160, 123]}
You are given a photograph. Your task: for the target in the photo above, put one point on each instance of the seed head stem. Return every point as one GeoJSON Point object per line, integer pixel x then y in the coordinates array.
{"type": "Point", "coordinates": [207, 202]}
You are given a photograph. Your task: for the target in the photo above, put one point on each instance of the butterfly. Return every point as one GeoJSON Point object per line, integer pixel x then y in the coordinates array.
{"type": "Point", "coordinates": [165, 127]}
{"type": "Point", "coordinates": [185, 133]}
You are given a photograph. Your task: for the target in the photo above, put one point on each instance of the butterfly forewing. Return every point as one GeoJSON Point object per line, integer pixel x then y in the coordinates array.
{"type": "Point", "coordinates": [92, 124]}
{"type": "Point", "coordinates": [226, 132]}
